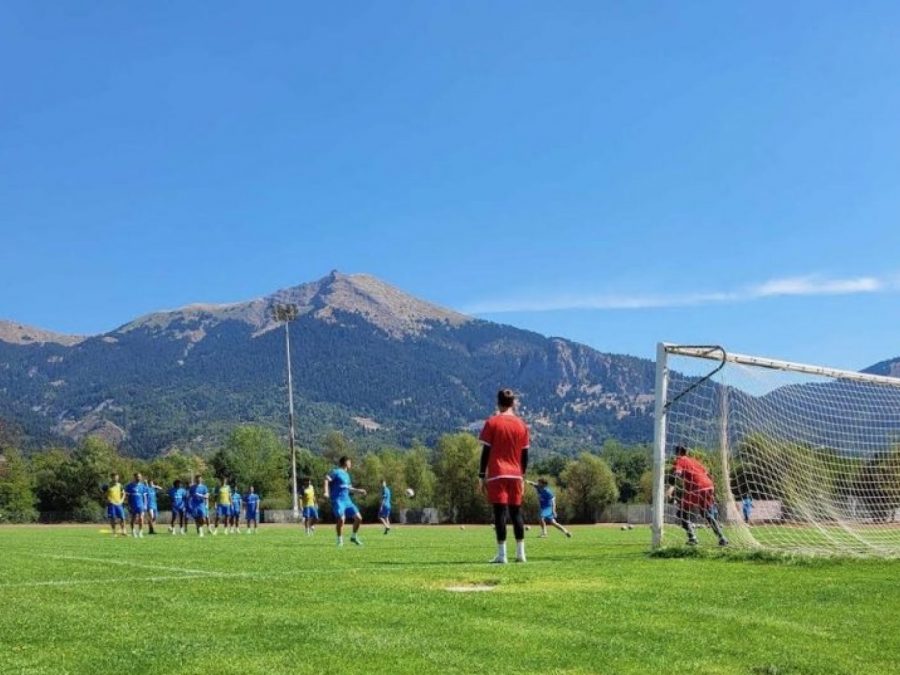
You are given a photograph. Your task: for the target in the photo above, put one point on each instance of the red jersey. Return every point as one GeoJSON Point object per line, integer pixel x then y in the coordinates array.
{"type": "Point", "coordinates": [693, 473]}
{"type": "Point", "coordinates": [507, 436]}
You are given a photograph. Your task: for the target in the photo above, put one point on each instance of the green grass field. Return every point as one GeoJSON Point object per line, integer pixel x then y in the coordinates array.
{"type": "Point", "coordinates": [78, 601]}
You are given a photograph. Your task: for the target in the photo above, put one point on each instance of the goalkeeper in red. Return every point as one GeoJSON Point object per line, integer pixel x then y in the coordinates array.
{"type": "Point", "coordinates": [504, 459]}
{"type": "Point", "coordinates": [697, 493]}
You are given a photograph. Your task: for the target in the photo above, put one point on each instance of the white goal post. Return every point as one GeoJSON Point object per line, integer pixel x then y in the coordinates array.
{"type": "Point", "coordinates": [804, 458]}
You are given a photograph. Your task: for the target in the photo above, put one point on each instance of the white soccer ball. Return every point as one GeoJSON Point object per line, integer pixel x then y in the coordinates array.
{"type": "Point", "coordinates": [624, 527]}
{"type": "Point", "coordinates": [410, 492]}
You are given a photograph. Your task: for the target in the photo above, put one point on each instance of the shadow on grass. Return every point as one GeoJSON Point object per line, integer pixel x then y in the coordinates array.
{"type": "Point", "coordinates": [753, 555]}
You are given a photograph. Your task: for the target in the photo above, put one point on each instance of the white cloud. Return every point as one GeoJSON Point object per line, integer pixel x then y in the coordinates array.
{"type": "Point", "coordinates": [787, 286]}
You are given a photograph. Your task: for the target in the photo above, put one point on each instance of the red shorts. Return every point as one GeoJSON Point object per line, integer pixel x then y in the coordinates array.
{"type": "Point", "coordinates": [702, 499]}
{"type": "Point", "coordinates": [505, 491]}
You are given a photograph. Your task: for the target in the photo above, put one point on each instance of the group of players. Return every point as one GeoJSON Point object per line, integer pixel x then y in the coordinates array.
{"type": "Point", "coordinates": [504, 460]}
{"type": "Point", "coordinates": [140, 495]}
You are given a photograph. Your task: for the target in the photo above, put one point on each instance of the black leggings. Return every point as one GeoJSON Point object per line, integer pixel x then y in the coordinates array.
{"type": "Point", "coordinates": [515, 512]}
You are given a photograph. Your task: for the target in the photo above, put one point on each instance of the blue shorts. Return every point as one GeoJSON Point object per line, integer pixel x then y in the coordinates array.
{"type": "Point", "coordinates": [135, 508]}
{"type": "Point", "coordinates": [384, 512]}
{"type": "Point", "coordinates": [178, 510]}
{"type": "Point", "coordinates": [200, 512]}
{"type": "Point", "coordinates": [116, 511]}
{"type": "Point", "coordinates": [310, 512]}
{"type": "Point", "coordinates": [235, 512]}
{"type": "Point", "coordinates": [547, 514]}
{"type": "Point", "coordinates": [250, 515]}
{"type": "Point", "coordinates": [344, 508]}
{"type": "Point", "coordinates": [222, 510]}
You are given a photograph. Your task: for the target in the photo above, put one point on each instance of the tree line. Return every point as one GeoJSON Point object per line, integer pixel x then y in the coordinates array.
{"type": "Point", "coordinates": [65, 484]}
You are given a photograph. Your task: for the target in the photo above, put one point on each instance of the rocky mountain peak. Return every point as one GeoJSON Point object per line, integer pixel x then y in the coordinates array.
{"type": "Point", "coordinates": [20, 334]}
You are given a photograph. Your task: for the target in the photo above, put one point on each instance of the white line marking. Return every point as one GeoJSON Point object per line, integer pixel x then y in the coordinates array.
{"type": "Point", "coordinates": [109, 580]}
{"type": "Point", "coordinates": [128, 563]}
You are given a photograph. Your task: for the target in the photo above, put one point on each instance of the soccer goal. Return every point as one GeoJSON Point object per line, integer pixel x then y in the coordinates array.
{"type": "Point", "coordinates": [804, 458]}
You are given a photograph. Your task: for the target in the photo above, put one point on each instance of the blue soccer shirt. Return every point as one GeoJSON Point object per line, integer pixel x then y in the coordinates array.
{"type": "Point", "coordinates": [339, 484]}
{"type": "Point", "coordinates": [545, 497]}
{"type": "Point", "coordinates": [177, 495]}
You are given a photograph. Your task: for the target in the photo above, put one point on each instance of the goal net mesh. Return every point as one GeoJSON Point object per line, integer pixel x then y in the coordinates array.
{"type": "Point", "coordinates": [802, 462]}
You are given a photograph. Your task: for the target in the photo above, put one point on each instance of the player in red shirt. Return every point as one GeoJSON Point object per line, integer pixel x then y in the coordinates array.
{"type": "Point", "coordinates": [697, 493]}
{"type": "Point", "coordinates": [504, 459]}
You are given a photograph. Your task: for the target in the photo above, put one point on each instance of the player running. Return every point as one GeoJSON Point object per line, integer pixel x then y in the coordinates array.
{"type": "Point", "coordinates": [384, 511]}
{"type": "Point", "coordinates": [338, 488]}
{"type": "Point", "coordinates": [547, 501]}
{"type": "Point", "coordinates": [115, 498]}
{"type": "Point", "coordinates": [696, 492]}
{"type": "Point", "coordinates": [235, 516]}
{"type": "Point", "coordinates": [223, 505]}
{"type": "Point", "coordinates": [178, 496]}
{"type": "Point", "coordinates": [251, 509]}
{"type": "Point", "coordinates": [504, 459]}
{"type": "Point", "coordinates": [136, 492]}
{"type": "Point", "coordinates": [199, 503]}
{"type": "Point", "coordinates": [310, 508]}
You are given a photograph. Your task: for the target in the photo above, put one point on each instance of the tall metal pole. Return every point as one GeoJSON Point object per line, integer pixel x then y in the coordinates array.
{"type": "Point", "coordinates": [288, 313]}
{"type": "Point", "coordinates": [287, 349]}
{"type": "Point", "coordinates": [659, 445]}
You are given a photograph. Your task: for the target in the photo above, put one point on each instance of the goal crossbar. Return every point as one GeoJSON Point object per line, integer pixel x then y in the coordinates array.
{"type": "Point", "coordinates": [776, 364]}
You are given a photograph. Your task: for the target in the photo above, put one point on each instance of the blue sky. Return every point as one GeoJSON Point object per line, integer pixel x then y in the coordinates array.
{"type": "Point", "coordinates": [615, 173]}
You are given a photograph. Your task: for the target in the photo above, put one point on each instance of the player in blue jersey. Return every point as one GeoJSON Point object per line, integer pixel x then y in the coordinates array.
{"type": "Point", "coordinates": [338, 489]}
{"type": "Point", "coordinates": [179, 498]}
{"type": "Point", "coordinates": [251, 509]}
{"type": "Point", "coordinates": [136, 494]}
{"type": "Point", "coordinates": [235, 517]}
{"type": "Point", "coordinates": [152, 506]}
{"type": "Point", "coordinates": [547, 502]}
{"type": "Point", "coordinates": [200, 505]}
{"type": "Point", "coordinates": [384, 510]}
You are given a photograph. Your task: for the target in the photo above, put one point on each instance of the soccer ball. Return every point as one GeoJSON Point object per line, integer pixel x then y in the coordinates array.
{"type": "Point", "coordinates": [410, 492]}
{"type": "Point", "coordinates": [624, 527]}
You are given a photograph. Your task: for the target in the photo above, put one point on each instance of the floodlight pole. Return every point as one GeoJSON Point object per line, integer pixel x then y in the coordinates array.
{"type": "Point", "coordinates": [288, 313]}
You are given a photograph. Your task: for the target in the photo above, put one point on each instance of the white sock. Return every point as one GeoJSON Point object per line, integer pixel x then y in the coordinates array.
{"type": "Point", "coordinates": [501, 550]}
{"type": "Point", "coordinates": [520, 549]}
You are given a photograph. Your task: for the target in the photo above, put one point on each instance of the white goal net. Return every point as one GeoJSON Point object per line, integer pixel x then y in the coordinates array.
{"type": "Point", "coordinates": [803, 458]}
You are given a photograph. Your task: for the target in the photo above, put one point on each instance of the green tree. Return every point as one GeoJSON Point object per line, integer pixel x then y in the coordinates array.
{"type": "Point", "coordinates": [50, 470]}
{"type": "Point", "coordinates": [419, 476]}
{"type": "Point", "coordinates": [17, 498]}
{"type": "Point", "coordinates": [367, 474]}
{"type": "Point", "coordinates": [312, 466]}
{"type": "Point", "coordinates": [334, 446]}
{"type": "Point", "coordinates": [878, 485]}
{"type": "Point", "coordinates": [589, 486]}
{"type": "Point", "coordinates": [456, 469]}
{"type": "Point", "coordinates": [645, 487]}
{"type": "Point", "coordinates": [627, 464]}
{"type": "Point", "coordinates": [87, 470]}
{"type": "Point", "coordinates": [253, 455]}
{"type": "Point", "coordinates": [549, 467]}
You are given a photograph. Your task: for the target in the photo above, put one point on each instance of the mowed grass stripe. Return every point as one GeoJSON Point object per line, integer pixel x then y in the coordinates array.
{"type": "Point", "coordinates": [280, 602]}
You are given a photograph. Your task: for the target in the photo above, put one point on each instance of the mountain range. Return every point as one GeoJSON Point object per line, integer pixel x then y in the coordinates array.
{"type": "Point", "coordinates": [367, 359]}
